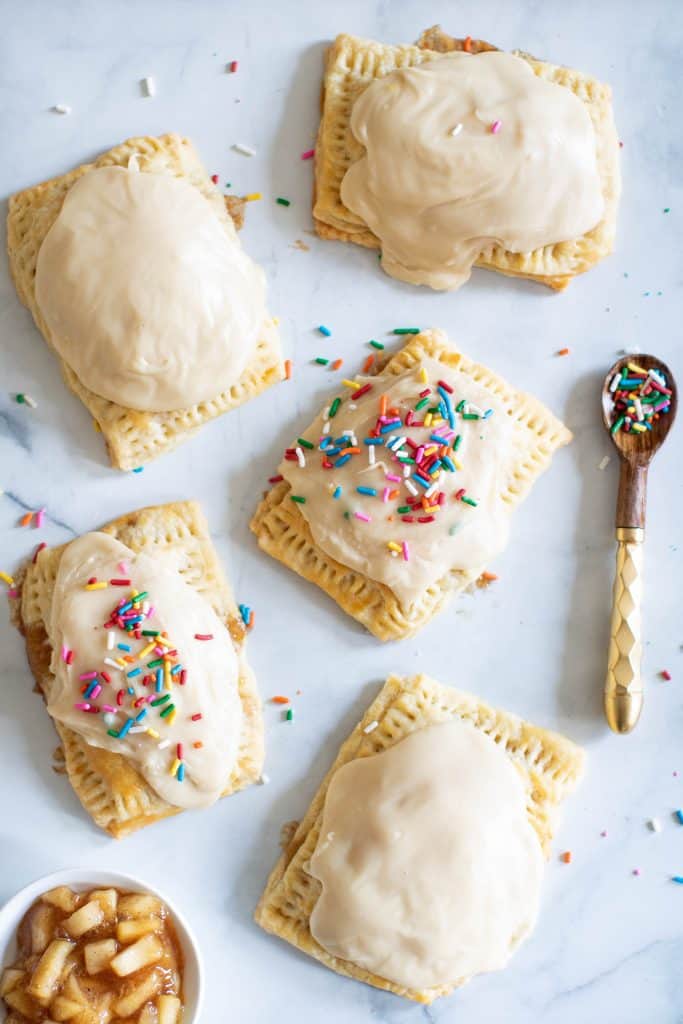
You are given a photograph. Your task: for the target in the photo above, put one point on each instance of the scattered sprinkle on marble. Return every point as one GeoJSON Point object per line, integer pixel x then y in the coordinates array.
{"type": "Point", "coordinates": [61, 108]}
{"type": "Point", "coordinates": [604, 462]}
{"type": "Point", "coordinates": [22, 399]}
{"type": "Point", "coordinates": [665, 674]}
{"type": "Point", "coordinates": [563, 352]}
{"type": "Point", "coordinates": [678, 815]}
{"type": "Point", "coordinates": [245, 150]}
{"type": "Point", "coordinates": [149, 86]}
{"type": "Point", "coordinates": [264, 780]}
{"type": "Point", "coordinates": [655, 825]}
{"type": "Point", "coordinates": [604, 834]}
{"type": "Point", "coordinates": [370, 727]}
{"type": "Point", "coordinates": [637, 872]}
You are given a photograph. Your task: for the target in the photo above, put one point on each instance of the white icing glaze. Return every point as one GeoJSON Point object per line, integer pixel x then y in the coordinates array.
{"type": "Point", "coordinates": [438, 186]}
{"type": "Point", "coordinates": [461, 536]}
{"type": "Point", "coordinates": [147, 292]}
{"type": "Point", "coordinates": [211, 689]}
{"type": "Point", "coordinates": [430, 869]}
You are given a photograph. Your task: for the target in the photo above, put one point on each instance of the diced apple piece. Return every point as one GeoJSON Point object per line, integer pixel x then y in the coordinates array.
{"type": "Point", "coordinates": [62, 897]}
{"type": "Point", "coordinates": [11, 977]}
{"type": "Point", "coordinates": [132, 1001]}
{"type": "Point", "coordinates": [48, 970]}
{"type": "Point", "coordinates": [148, 1015]}
{"type": "Point", "coordinates": [42, 927]}
{"type": "Point", "coordinates": [141, 954]}
{"type": "Point", "coordinates": [169, 1008]}
{"type": "Point", "coordinates": [129, 931]}
{"type": "Point", "coordinates": [107, 899]}
{"type": "Point", "coordinates": [137, 904]}
{"type": "Point", "coordinates": [98, 955]}
{"type": "Point", "coordinates": [62, 1008]}
{"type": "Point", "coordinates": [87, 917]}
{"type": "Point", "coordinates": [19, 1000]}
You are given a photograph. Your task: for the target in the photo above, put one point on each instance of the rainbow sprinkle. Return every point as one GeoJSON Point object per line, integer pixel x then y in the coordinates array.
{"type": "Point", "coordinates": [639, 397]}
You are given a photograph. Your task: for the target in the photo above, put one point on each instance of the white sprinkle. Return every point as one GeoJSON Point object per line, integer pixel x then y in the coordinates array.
{"type": "Point", "coordinates": [109, 717]}
{"type": "Point", "coordinates": [352, 406]}
{"type": "Point", "coordinates": [112, 663]}
{"type": "Point", "coordinates": [347, 433]}
{"type": "Point", "coordinates": [30, 402]}
{"type": "Point", "coordinates": [432, 489]}
{"type": "Point", "coordinates": [639, 410]}
{"type": "Point", "coordinates": [326, 428]}
{"type": "Point", "coordinates": [656, 375]}
{"type": "Point", "coordinates": [371, 454]}
{"type": "Point", "coordinates": [326, 413]}
{"type": "Point", "coordinates": [145, 608]}
{"type": "Point", "coordinates": [149, 86]}
{"type": "Point", "coordinates": [61, 108]}
{"type": "Point", "coordinates": [655, 825]}
{"type": "Point", "coordinates": [138, 728]}
{"type": "Point", "coordinates": [406, 471]}
{"type": "Point", "coordinates": [110, 640]}
{"type": "Point", "coordinates": [164, 744]}
{"type": "Point", "coordinates": [411, 487]}
{"type": "Point", "coordinates": [371, 726]}
{"type": "Point", "coordinates": [301, 457]}
{"type": "Point", "coordinates": [604, 462]}
{"type": "Point", "coordinates": [264, 780]}
{"type": "Point", "coordinates": [614, 383]}
{"type": "Point", "coordinates": [239, 147]}
{"type": "Point", "coordinates": [456, 131]}
{"type": "Point", "coordinates": [133, 164]}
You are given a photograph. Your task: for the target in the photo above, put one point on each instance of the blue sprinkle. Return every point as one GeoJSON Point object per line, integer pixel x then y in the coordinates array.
{"type": "Point", "coordinates": [367, 490]}
{"type": "Point", "coordinates": [160, 680]}
{"type": "Point", "coordinates": [373, 440]}
{"type": "Point", "coordinates": [139, 469]}
{"type": "Point", "coordinates": [134, 672]}
{"type": "Point", "coordinates": [88, 692]}
{"type": "Point", "coordinates": [141, 714]}
{"type": "Point", "coordinates": [337, 492]}
{"type": "Point", "coordinates": [679, 815]}
{"type": "Point", "coordinates": [325, 330]}
{"type": "Point", "coordinates": [487, 414]}
{"type": "Point", "coordinates": [245, 612]}
{"type": "Point", "coordinates": [332, 451]}
{"type": "Point", "coordinates": [130, 690]}
{"type": "Point", "coordinates": [325, 443]}
{"type": "Point", "coordinates": [125, 728]}
{"type": "Point", "coordinates": [678, 879]}
{"type": "Point", "coordinates": [423, 483]}
{"type": "Point", "coordinates": [123, 647]}
{"type": "Point", "coordinates": [387, 427]}
{"type": "Point", "coordinates": [448, 463]}
{"type": "Point", "coordinates": [176, 669]}
{"type": "Point", "coordinates": [342, 462]}
{"type": "Point", "coordinates": [181, 772]}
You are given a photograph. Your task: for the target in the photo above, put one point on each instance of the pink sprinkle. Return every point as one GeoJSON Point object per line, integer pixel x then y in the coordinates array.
{"type": "Point", "coordinates": [87, 675]}
{"type": "Point", "coordinates": [392, 476]}
{"type": "Point", "coordinates": [420, 453]}
{"type": "Point", "coordinates": [362, 517]}
{"type": "Point", "coordinates": [150, 613]}
{"type": "Point", "coordinates": [636, 871]}
{"type": "Point", "coordinates": [496, 126]}
{"type": "Point", "coordinates": [40, 518]}
{"type": "Point", "coordinates": [604, 833]}
{"type": "Point", "coordinates": [123, 568]}
{"type": "Point", "coordinates": [308, 154]}
{"type": "Point", "coordinates": [65, 651]}
{"type": "Point", "coordinates": [96, 691]}
{"type": "Point", "coordinates": [13, 594]}
{"type": "Point", "coordinates": [109, 708]}
{"type": "Point", "coordinates": [385, 495]}
{"type": "Point", "coordinates": [82, 707]}
{"type": "Point", "coordinates": [442, 498]}
{"type": "Point", "coordinates": [406, 553]}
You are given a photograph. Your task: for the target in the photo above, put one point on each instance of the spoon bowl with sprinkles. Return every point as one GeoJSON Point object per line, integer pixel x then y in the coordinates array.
{"type": "Point", "coordinates": [639, 401]}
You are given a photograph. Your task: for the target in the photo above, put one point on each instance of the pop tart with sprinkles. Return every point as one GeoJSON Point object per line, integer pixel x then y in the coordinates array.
{"type": "Point", "coordinates": [401, 491]}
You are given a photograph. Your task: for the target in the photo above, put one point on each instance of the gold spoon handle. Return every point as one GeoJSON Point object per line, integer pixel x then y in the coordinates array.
{"type": "Point", "coordinates": [623, 685]}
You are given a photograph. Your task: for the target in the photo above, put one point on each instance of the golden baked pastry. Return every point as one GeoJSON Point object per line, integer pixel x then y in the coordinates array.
{"type": "Point", "coordinates": [549, 767]}
{"type": "Point", "coordinates": [352, 64]}
{"type": "Point", "coordinates": [362, 564]}
{"type": "Point", "coordinates": [136, 434]}
{"type": "Point", "coordinates": [126, 791]}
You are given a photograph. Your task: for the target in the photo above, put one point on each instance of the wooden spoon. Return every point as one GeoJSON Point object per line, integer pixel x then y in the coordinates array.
{"type": "Point", "coordinates": [623, 685]}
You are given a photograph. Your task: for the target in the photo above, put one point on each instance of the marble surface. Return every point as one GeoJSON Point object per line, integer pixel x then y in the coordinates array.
{"type": "Point", "coordinates": [608, 945]}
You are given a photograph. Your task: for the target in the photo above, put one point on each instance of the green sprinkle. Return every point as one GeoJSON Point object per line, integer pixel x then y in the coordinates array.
{"type": "Point", "coordinates": [282, 202]}
{"type": "Point", "coordinates": [289, 715]}
{"type": "Point", "coordinates": [470, 416]}
{"type": "Point", "coordinates": [167, 711]}
{"type": "Point", "coordinates": [460, 406]}
{"type": "Point", "coordinates": [150, 632]}
{"type": "Point", "coordinates": [454, 529]}
{"type": "Point", "coordinates": [377, 344]}
{"type": "Point", "coordinates": [334, 407]}
{"type": "Point", "coordinates": [304, 443]}
{"type": "Point", "coordinates": [406, 330]}
{"type": "Point", "coordinates": [469, 501]}
{"type": "Point", "coordinates": [457, 442]}
{"type": "Point", "coordinates": [406, 460]}
{"type": "Point", "coordinates": [113, 732]}
{"type": "Point", "coordinates": [617, 425]}
{"type": "Point", "coordinates": [142, 596]}
{"type": "Point", "coordinates": [322, 362]}
{"type": "Point", "coordinates": [667, 209]}
{"type": "Point", "coordinates": [298, 499]}
{"type": "Point", "coordinates": [403, 509]}
{"type": "Point", "coordinates": [347, 514]}
{"type": "Point", "coordinates": [161, 700]}
{"type": "Point", "coordinates": [155, 663]}
{"type": "Point", "coordinates": [21, 399]}
{"type": "Point", "coordinates": [421, 404]}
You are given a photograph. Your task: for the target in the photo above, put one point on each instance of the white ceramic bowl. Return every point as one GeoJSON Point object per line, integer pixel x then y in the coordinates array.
{"type": "Point", "coordinates": [82, 879]}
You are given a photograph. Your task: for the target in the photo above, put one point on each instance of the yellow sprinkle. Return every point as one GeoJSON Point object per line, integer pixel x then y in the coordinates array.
{"type": "Point", "coordinates": [7, 579]}
{"type": "Point", "coordinates": [437, 420]}
{"type": "Point", "coordinates": [167, 675]}
{"type": "Point", "coordinates": [393, 546]}
{"type": "Point", "coordinates": [431, 508]}
{"type": "Point", "coordinates": [636, 368]}
{"type": "Point", "coordinates": [96, 586]}
{"type": "Point", "coordinates": [428, 419]}
{"type": "Point", "coordinates": [351, 384]}
{"type": "Point", "coordinates": [153, 733]}
{"type": "Point", "coordinates": [423, 375]}
{"type": "Point", "coordinates": [640, 427]}
{"type": "Point", "coordinates": [174, 767]}
{"type": "Point", "coordinates": [145, 651]}
{"type": "Point", "coordinates": [122, 663]}
{"type": "Point", "coordinates": [457, 463]}
{"type": "Point", "coordinates": [163, 641]}
{"type": "Point", "coordinates": [170, 718]}
{"type": "Point", "coordinates": [252, 196]}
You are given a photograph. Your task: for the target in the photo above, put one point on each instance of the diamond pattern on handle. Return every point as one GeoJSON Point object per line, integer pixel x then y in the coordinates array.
{"type": "Point", "coordinates": [623, 667]}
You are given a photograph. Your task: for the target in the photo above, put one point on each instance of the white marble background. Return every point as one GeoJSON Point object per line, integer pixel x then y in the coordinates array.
{"type": "Point", "coordinates": [608, 946]}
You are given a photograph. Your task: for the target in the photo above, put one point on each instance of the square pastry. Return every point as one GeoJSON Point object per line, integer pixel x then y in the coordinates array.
{"type": "Point", "coordinates": [111, 259]}
{"type": "Point", "coordinates": [433, 875]}
{"type": "Point", "coordinates": [353, 64]}
{"type": "Point", "coordinates": [138, 648]}
{"type": "Point", "coordinates": [398, 495]}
